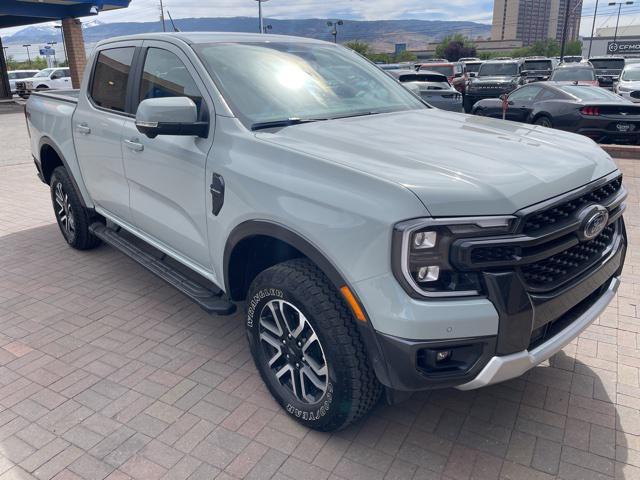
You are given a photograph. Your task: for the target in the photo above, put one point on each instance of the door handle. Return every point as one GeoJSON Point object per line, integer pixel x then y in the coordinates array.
{"type": "Point", "coordinates": [83, 129]}
{"type": "Point", "coordinates": [134, 145]}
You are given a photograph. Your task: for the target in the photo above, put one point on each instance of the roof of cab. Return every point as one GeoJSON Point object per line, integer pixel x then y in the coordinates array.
{"type": "Point", "coordinates": [214, 37]}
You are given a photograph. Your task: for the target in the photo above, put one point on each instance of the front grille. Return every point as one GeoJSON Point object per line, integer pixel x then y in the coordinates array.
{"type": "Point", "coordinates": [20, 86]}
{"type": "Point", "coordinates": [493, 254]}
{"type": "Point", "coordinates": [549, 217]}
{"type": "Point", "coordinates": [553, 271]}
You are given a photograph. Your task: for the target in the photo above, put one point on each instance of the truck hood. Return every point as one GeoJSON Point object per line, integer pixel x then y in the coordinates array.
{"type": "Point", "coordinates": [457, 165]}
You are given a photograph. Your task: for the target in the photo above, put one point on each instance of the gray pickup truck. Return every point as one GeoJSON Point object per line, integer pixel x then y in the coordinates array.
{"type": "Point", "coordinates": [373, 242]}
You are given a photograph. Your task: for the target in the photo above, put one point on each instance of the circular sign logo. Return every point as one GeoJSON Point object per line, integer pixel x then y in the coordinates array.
{"type": "Point", "coordinates": [613, 47]}
{"type": "Point", "coordinates": [594, 220]}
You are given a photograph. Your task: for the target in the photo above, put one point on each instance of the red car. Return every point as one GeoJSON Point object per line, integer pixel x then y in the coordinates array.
{"type": "Point", "coordinates": [451, 70]}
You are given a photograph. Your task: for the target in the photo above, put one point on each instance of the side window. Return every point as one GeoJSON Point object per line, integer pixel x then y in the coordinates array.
{"type": "Point", "coordinates": [110, 76]}
{"type": "Point", "coordinates": [526, 94]}
{"type": "Point", "coordinates": [165, 75]}
{"type": "Point", "coordinates": [548, 94]}
{"type": "Point", "coordinates": [58, 74]}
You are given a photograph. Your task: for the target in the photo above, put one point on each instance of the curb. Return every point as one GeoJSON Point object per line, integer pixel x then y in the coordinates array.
{"type": "Point", "coordinates": [622, 151]}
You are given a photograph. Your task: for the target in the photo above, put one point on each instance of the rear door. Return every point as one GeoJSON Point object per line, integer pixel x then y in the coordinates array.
{"type": "Point", "coordinates": [166, 174]}
{"type": "Point", "coordinates": [60, 79]}
{"type": "Point", "coordinates": [97, 128]}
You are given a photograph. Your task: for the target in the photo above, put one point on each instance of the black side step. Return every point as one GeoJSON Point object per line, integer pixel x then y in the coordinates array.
{"type": "Point", "coordinates": [210, 300]}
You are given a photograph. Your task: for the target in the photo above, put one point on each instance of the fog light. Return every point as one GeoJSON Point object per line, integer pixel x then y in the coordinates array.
{"type": "Point", "coordinates": [424, 240]}
{"type": "Point", "coordinates": [443, 355]}
{"type": "Point", "coordinates": [428, 274]}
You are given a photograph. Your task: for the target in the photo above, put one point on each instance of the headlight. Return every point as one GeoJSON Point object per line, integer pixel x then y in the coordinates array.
{"type": "Point", "coordinates": [421, 254]}
{"type": "Point", "coordinates": [29, 84]}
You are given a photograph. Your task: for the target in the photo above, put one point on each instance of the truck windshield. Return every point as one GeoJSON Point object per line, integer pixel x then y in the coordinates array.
{"type": "Point", "coordinates": [537, 65]}
{"type": "Point", "coordinates": [631, 74]}
{"type": "Point", "coordinates": [573, 75]}
{"type": "Point", "coordinates": [608, 64]}
{"type": "Point", "coordinates": [43, 73]}
{"type": "Point", "coordinates": [276, 82]}
{"type": "Point", "coordinates": [443, 69]}
{"type": "Point", "coordinates": [498, 70]}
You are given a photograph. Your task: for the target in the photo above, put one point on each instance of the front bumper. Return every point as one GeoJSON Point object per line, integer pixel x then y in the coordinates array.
{"type": "Point", "coordinates": [502, 368]}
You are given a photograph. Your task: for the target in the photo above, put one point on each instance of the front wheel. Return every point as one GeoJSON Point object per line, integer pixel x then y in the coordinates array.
{"type": "Point", "coordinates": [307, 348]}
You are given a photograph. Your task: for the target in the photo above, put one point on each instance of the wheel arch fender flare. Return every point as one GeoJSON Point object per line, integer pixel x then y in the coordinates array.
{"type": "Point", "coordinates": [252, 228]}
{"type": "Point", "coordinates": [47, 141]}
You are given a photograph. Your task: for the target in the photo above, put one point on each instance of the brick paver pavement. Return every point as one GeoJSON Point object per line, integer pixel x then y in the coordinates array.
{"type": "Point", "coordinates": [107, 372]}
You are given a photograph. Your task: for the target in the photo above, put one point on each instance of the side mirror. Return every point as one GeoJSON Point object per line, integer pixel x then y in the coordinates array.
{"type": "Point", "coordinates": [170, 116]}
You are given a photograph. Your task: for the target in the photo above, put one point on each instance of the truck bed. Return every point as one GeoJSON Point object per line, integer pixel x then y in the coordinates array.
{"type": "Point", "coordinates": [62, 95]}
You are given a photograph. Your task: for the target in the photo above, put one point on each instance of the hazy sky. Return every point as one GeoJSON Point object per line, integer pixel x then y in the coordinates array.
{"type": "Point", "coordinates": [475, 10]}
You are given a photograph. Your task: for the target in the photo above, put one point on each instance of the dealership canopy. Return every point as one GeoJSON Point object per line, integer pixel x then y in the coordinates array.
{"type": "Point", "coordinates": [14, 13]}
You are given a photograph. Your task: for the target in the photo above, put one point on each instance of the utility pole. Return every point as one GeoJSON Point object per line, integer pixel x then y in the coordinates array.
{"type": "Point", "coordinates": [28, 54]}
{"type": "Point", "coordinates": [164, 28]}
{"type": "Point", "coordinates": [593, 29]}
{"type": "Point", "coordinates": [567, 15]}
{"type": "Point", "coordinates": [620, 4]}
{"type": "Point", "coordinates": [260, 18]}
{"type": "Point", "coordinates": [335, 25]}
{"type": "Point", "coordinates": [64, 44]}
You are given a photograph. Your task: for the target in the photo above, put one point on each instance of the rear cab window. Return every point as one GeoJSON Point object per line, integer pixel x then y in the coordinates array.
{"type": "Point", "coordinates": [108, 87]}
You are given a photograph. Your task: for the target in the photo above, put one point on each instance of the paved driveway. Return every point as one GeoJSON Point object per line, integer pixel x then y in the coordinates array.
{"type": "Point", "coordinates": [106, 372]}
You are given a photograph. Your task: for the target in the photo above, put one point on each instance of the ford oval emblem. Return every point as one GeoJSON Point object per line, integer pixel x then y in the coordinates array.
{"type": "Point", "coordinates": [594, 220]}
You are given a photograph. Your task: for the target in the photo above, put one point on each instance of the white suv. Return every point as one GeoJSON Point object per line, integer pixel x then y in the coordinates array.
{"type": "Point", "coordinates": [47, 79]}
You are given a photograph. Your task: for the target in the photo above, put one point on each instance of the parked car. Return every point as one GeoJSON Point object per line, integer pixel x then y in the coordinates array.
{"type": "Point", "coordinates": [47, 79]}
{"type": "Point", "coordinates": [393, 66]}
{"type": "Point", "coordinates": [571, 59]}
{"type": "Point", "coordinates": [15, 75]}
{"type": "Point", "coordinates": [575, 73]}
{"type": "Point", "coordinates": [594, 112]}
{"type": "Point", "coordinates": [451, 70]}
{"type": "Point", "coordinates": [370, 239]}
{"type": "Point", "coordinates": [629, 84]}
{"type": "Point", "coordinates": [432, 87]}
{"type": "Point", "coordinates": [469, 59]}
{"type": "Point", "coordinates": [537, 69]}
{"type": "Point", "coordinates": [494, 78]}
{"type": "Point", "coordinates": [608, 69]}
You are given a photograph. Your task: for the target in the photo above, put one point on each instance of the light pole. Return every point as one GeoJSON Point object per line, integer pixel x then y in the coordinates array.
{"type": "Point", "coordinates": [28, 54]}
{"type": "Point", "coordinates": [64, 44]}
{"type": "Point", "coordinates": [260, 19]}
{"type": "Point", "coordinates": [335, 25]}
{"type": "Point", "coordinates": [620, 4]}
{"type": "Point", "coordinates": [565, 27]}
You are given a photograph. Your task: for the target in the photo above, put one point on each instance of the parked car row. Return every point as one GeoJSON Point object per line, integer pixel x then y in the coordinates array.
{"type": "Point", "coordinates": [24, 82]}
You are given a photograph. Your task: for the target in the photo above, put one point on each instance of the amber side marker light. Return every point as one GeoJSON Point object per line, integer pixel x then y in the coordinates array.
{"type": "Point", "coordinates": [353, 303]}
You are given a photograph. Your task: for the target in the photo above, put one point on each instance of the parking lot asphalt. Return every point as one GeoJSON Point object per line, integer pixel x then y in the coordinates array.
{"type": "Point", "coordinates": [107, 372]}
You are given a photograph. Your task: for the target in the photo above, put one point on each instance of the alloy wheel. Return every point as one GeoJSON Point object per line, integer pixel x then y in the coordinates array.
{"type": "Point", "coordinates": [64, 212]}
{"type": "Point", "coordinates": [294, 352]}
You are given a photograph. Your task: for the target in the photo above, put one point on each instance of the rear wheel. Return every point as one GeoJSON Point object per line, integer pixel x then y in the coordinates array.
{"type": "Point", "coordinates": [543, 121]}
{"type": "Point", "coordinates": [72, 217]}
{"type": "Point", "coordinates": [307, 348]}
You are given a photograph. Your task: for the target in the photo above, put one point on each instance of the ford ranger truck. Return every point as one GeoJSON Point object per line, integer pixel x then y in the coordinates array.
{"type": "Point", "coordinates": [295, 185]}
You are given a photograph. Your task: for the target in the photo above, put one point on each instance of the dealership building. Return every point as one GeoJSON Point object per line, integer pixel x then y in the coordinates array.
{"type": "Point", "coordinates": [605, 42]}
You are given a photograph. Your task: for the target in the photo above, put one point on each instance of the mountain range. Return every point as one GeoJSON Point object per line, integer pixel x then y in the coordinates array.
{"type": "Point", "coordinates": [382, 35]}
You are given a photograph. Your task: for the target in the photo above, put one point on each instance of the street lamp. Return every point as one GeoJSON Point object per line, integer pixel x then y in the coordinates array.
{"type": "Point", "coordinates": [335, 25]}
{"type": "Point", "coordinates": [620, 4]}
{"type": "Point", "coordinates": [28, 54]}
{"type": "Point", "coordinates": [64, 43]}
{"type": "Point", "coordinates": [261, 21]}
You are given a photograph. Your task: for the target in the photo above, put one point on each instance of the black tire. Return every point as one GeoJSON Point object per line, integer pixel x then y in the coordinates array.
{"type": "Point", "coordinates": [73, 219]}
{"type": "Point", "coordinates": [352, 388]}
{"type": "Point", "coordinates": [479, 112]}
{"type": "Point", "coordinates": [543, 121]}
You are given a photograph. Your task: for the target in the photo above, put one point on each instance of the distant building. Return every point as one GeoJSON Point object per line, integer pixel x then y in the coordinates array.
{"type": "Point", "coordinates": [531, 21]}
{"type": "Point", "coordinates": [605, 42]}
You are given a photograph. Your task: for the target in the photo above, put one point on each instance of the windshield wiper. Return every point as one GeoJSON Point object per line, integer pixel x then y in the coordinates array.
{"type": "Point", "coordinates": [284, 123]}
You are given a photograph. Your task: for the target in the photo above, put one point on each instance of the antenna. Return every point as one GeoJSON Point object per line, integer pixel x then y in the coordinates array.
{"type": "Point", "coordinates": [175, 29]}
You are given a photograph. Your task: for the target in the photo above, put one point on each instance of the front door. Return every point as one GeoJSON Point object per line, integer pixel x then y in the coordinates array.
{"type": "Point", "coordinates": [167, 174]}
{"type": "Point", "coordinates": [97, 129]}
{"type": "Point", "coordinates": [521, 102]}
{"type": "Point", "coordinates": [60, 79]}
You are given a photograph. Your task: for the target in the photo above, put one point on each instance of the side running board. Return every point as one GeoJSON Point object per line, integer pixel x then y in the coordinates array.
{"type": "Point", "coordinates": [211, 300]}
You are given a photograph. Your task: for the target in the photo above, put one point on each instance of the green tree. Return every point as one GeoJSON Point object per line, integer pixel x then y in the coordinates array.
{"type": "Point", "coordinates": [361, 47]}
{"type": "Point", "coordinates": [405, 57]}
{"type": "Point", "coordinates": [574, 47]}
{"type": "Point", "coordinates": [454, 47]}
{"type": "Point", "coordinates": [37, 63]}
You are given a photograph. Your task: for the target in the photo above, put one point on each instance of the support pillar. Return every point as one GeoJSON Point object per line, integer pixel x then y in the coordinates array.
{"type": "Point", "coordinates": [76, 52]}
{"type": "Point", "coordinates": [5, 88]}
